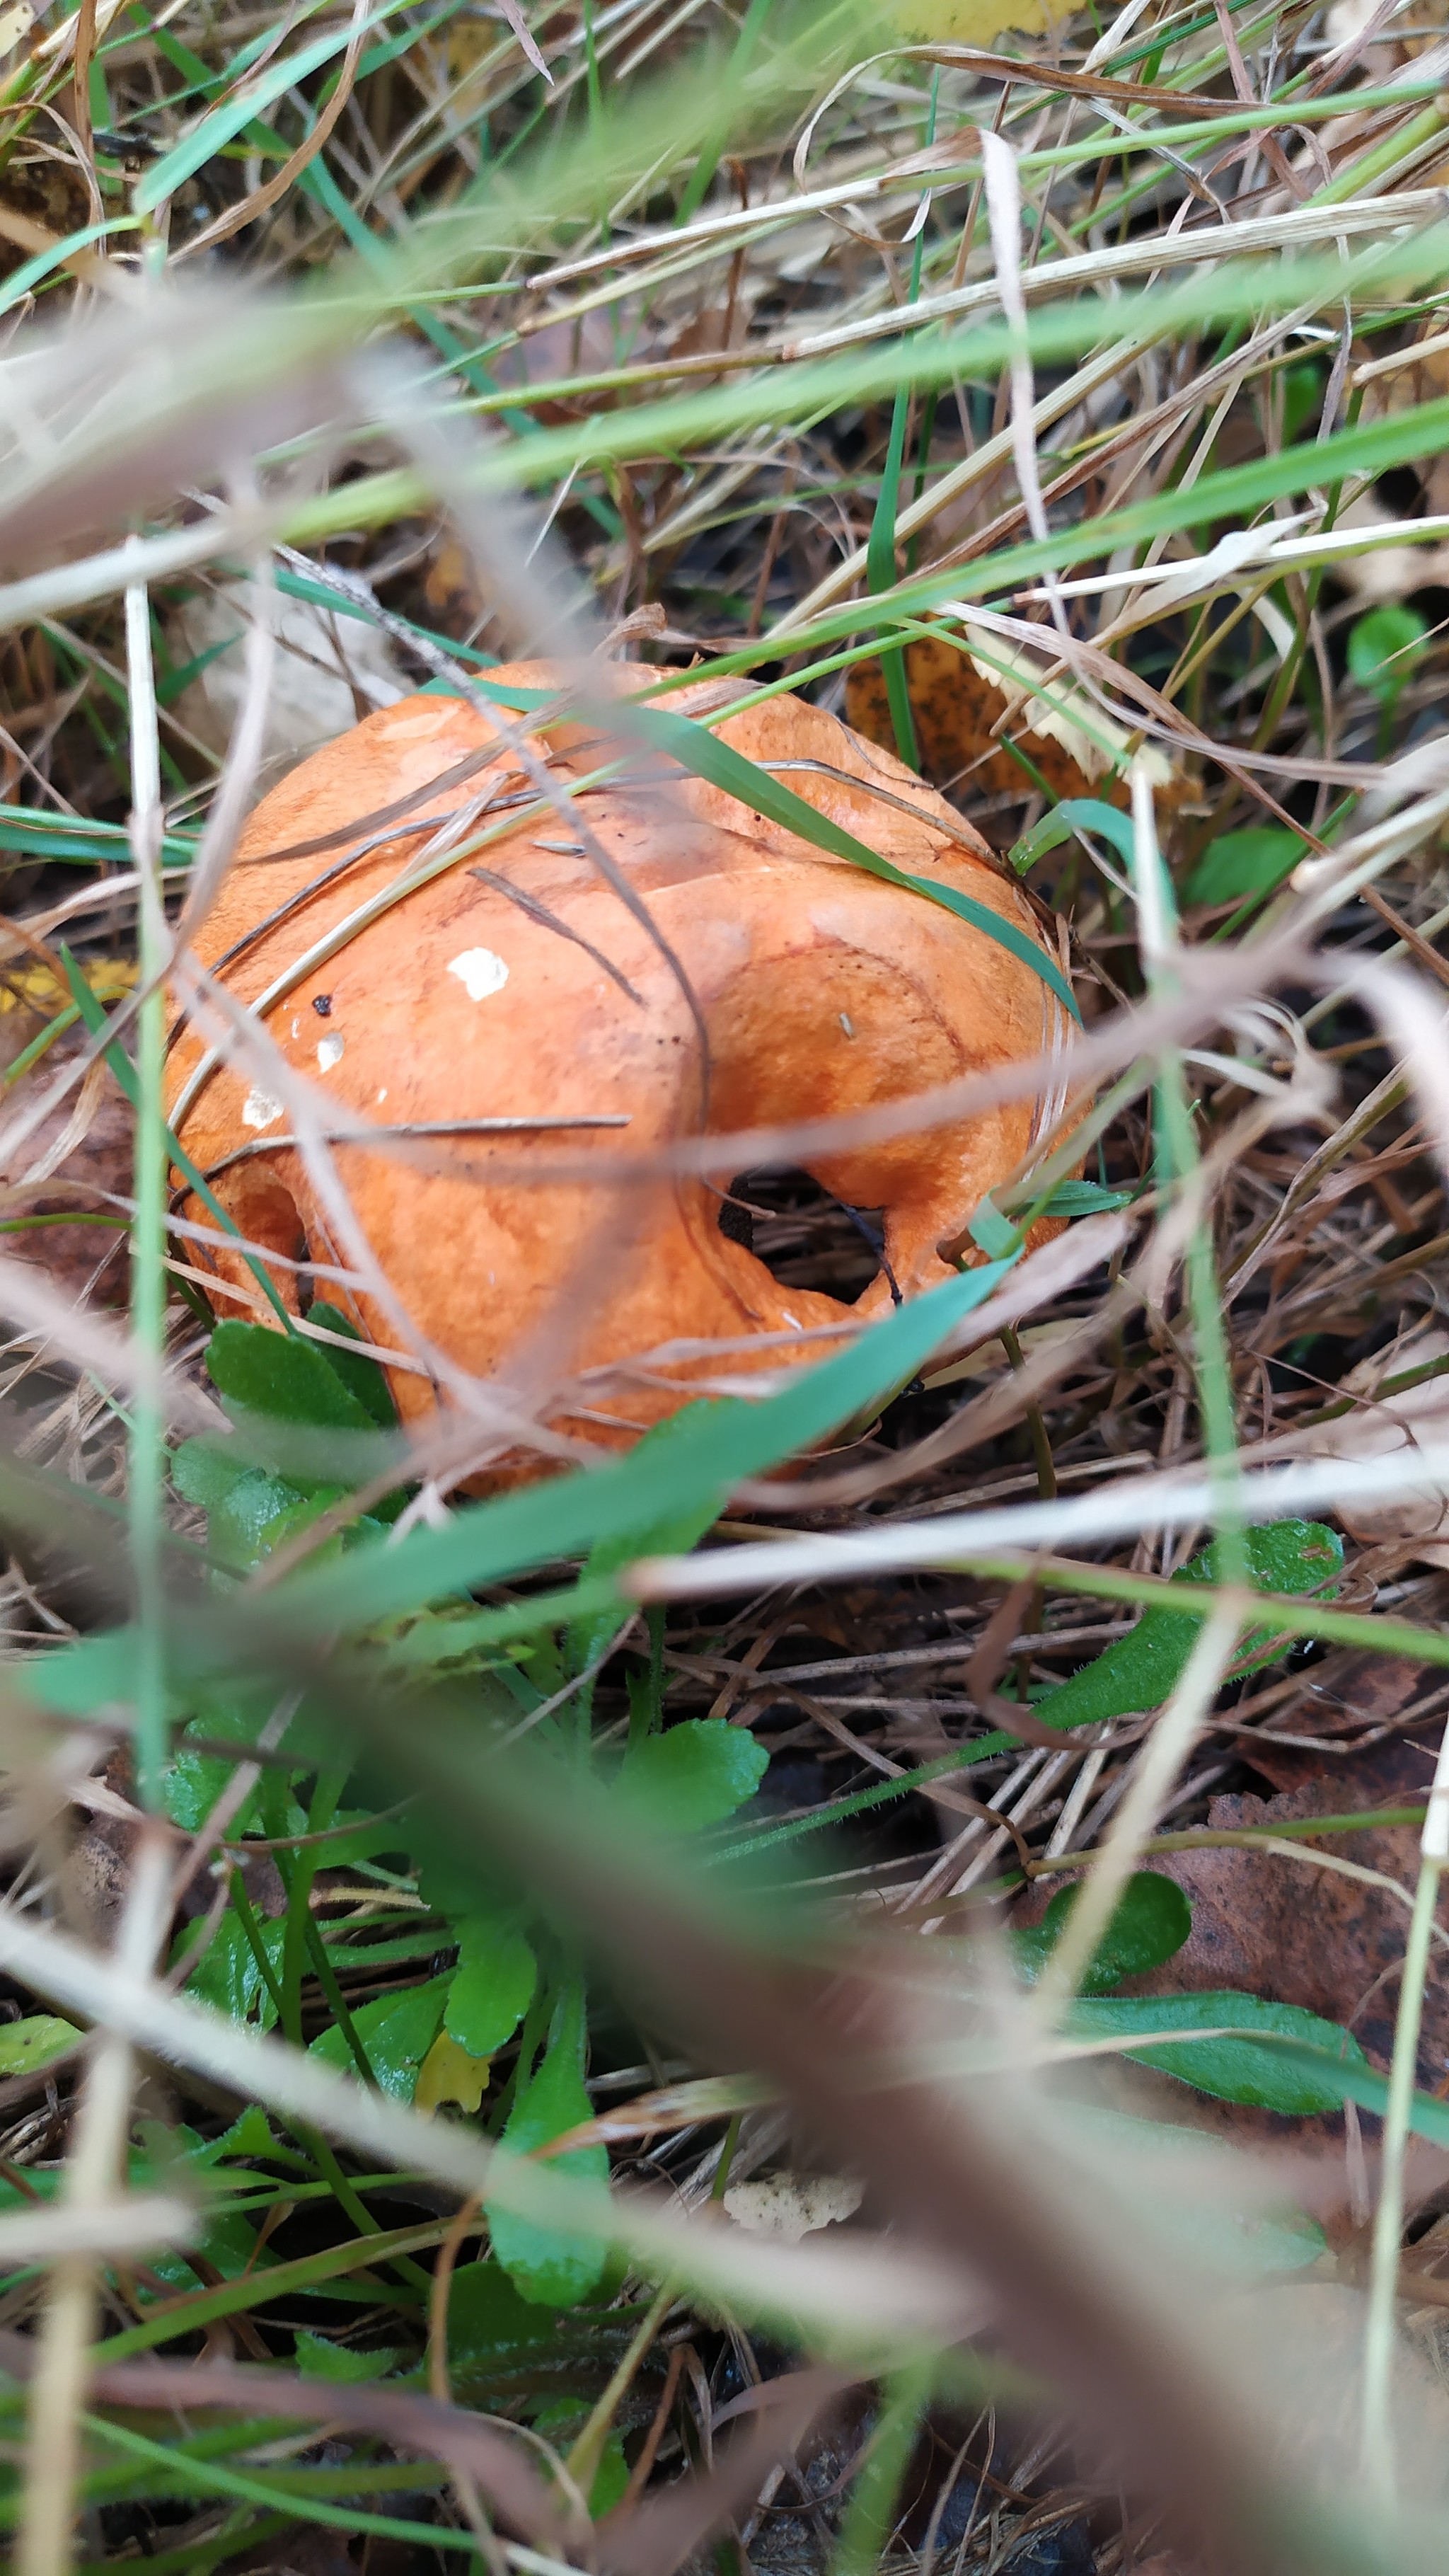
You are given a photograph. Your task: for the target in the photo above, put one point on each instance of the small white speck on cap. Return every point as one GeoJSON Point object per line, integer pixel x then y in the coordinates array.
{"type": "Point", "coordinates": [790, 1319]}
{"type": "Point", "coordinates": [382, 1095]}
{"type": "Point", "coordinates": [845, 1022]}
{"type": "Point", "coordinates": [296, 1028]}
{"type": "Point", "coordinates": [329, 1052]}
{"type": "Point", "coordinates": [480, 971]}
{"type": "Point", "coordinates": [259, 1109]}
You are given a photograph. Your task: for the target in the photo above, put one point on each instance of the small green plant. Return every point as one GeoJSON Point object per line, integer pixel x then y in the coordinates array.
{"type": "Point", "coordinates": [1241, 865]}
{"type": "Point", "coordinates": [1385, 649]}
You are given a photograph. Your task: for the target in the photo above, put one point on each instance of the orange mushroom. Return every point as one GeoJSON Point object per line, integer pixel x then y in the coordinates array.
{"type": "Point", "coordinates": [489, 970]}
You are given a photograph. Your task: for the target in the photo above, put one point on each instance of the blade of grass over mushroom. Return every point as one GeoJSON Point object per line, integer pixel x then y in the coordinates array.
{"type": "Point", "coordinates": [696, 749]}
{"type": "Point", "coordinates": [709, 1448]}
{"type": "Point", "coordinates": [723, 1444]}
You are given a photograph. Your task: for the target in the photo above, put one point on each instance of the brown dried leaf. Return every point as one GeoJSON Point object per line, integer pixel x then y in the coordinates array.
{"type": "Point", "coordinates": [1344, 1699]}
{"type": "Point", "coordinates": [962, 706]}
{"type": "Point", "coordinates": [1298, 1933]}
{"type": "Point", "coordinates": [1417, 1520]}
{"type": "Point", "coordinates": [99, 1162]}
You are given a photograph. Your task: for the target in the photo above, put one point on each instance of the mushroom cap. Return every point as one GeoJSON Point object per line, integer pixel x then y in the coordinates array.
{"type": "Point", "coordinates": [513, 980]}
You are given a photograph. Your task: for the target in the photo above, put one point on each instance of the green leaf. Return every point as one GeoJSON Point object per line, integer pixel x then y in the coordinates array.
{"type": "Point", "coordinates": [204, 1471]}
{"type": "Point", "coordinates": [492, 1985]}
{"type": "Point", "coordinates": [319, 2359]}
{"type": "Point", "coordinates": [1220, 2231]}
{"type": "Point", "coordinates": [714, 1447]}
{"type": "Point", "coordinates": [547, 2264]}
{"type": "Point", "coordinates": [1234, 2070]}
{"type": "Point", "coordinates": [1353, 2080]}
{"type": "Point", "coordinates": [1385, 648]}
{"type": "Point", "coordinates": [1142, 1670]}
{"type": "Point", "coordinates": [453, 1888]}
{"type": "Point", "coordinates": [283, 1378]}
{"type": "Point", "coordinates": [701, 752]}
{"type": "Point", "coordinates": [27, 2044]}
{"type": "Point", "coordinates": [694, 1774]}
{"type": "Point", "coordinates": [238, 1525]}
{"type": "Point", "coordinates": [191, 1783]}
{"type": "Point", "coordinates": [250, 2135]}
{"type": "Point", "coordinates": [1244, 863]}
{"type": "Point", "coordinates": [362, 1377]}
{"type": "Point", "coordinates": [559, 2421]}
{"type": "Point", "coordinates": [227, 1976]}
{"type": "Point", "coordinates": [487, 2317]}
{"type": "Point", "coordinates": [1086, 1198]}
{"type": "Point", "coordinates": [228, 2244]}
{"type": "Point", "coordinates": [1151, 1923]}
{"type": "Point", "coordinates": [1303, 388]}
{"type": "Point", "coordinates": [396, 2034]}
{"type": "Point", "coordinates": [296, 1516]}
{"type": "Point", "coordinates": [610, 2479]}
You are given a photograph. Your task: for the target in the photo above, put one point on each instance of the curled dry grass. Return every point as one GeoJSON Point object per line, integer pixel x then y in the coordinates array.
{"type": "Point", "coordinates": [733, 339]}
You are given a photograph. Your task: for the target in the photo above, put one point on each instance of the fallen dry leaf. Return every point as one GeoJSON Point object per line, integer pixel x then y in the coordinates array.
{"type": "Point", "coordinates": [1298, 1933]}
{"type": "Point", "coordinates": [330, 670]}
{"type": "Point", "coordinates": [963, 701]}
{"type": "Point", "coordinates": [99, 1162]}
{"type": "Point", "coordinates": [1416, 1522]}
{"type": "Point", "coordinates": [1345, 1698]}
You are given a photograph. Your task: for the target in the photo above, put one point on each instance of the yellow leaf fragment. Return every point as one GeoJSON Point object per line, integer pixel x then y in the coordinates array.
{"type": "Point", "coordinates": [966, 22]}
{"type": "Point", "coordinates": [37, 988]}
{"type": "Point", "coordinates": [449, 2074]}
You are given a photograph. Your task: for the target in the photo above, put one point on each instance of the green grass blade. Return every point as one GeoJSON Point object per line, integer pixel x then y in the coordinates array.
{"type": "Point", "coordinates": [229, 120]}
{"type": "Point", "coordinates": [733, 1441]}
